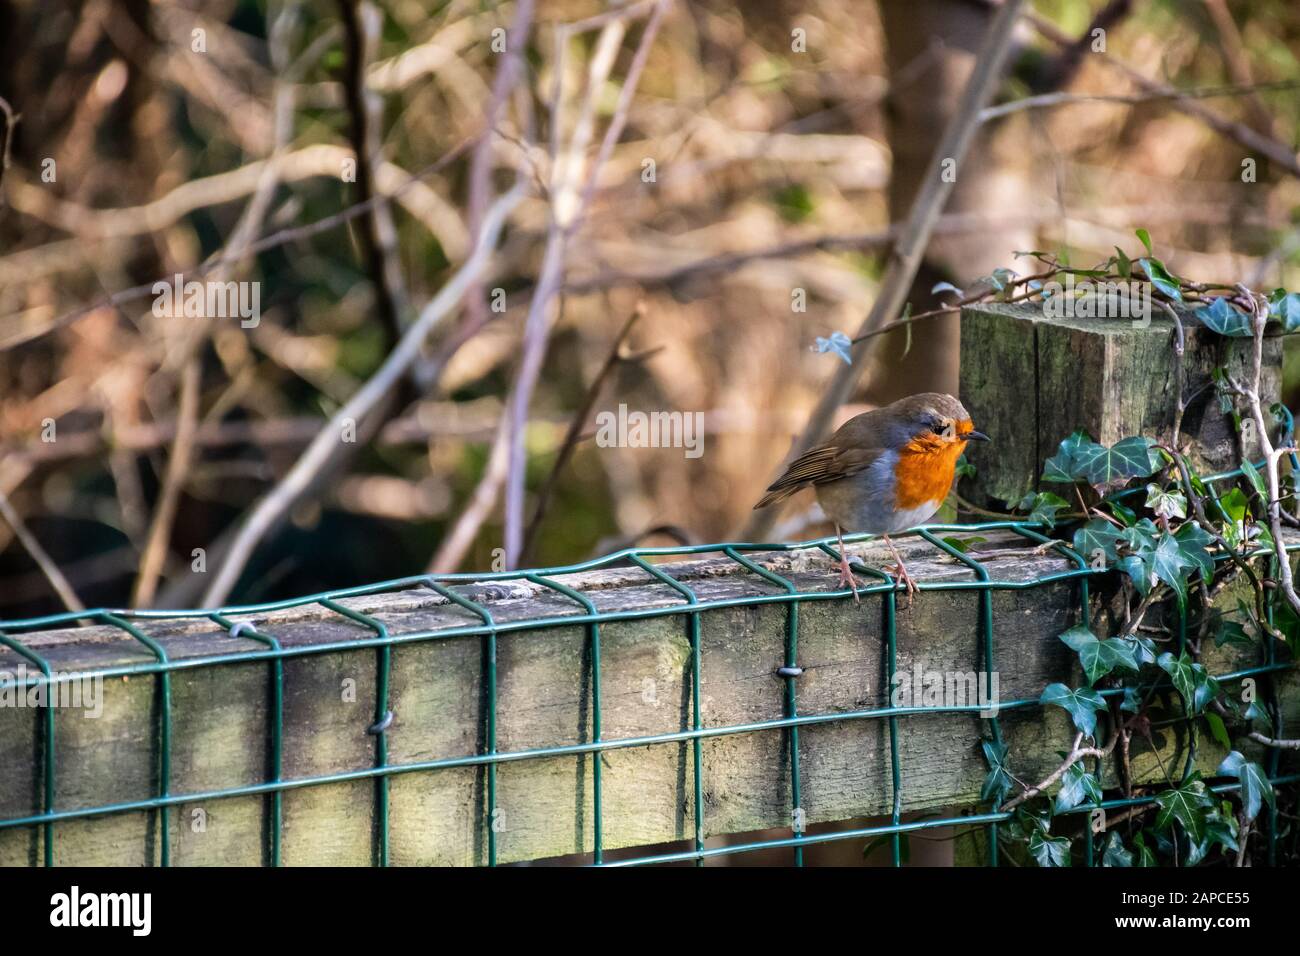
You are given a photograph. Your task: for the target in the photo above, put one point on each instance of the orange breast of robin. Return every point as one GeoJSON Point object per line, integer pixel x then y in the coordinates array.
{"type": "Point", "coordinates": [924, 471]}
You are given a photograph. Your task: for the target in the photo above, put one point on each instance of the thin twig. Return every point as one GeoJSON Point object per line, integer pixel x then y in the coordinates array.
{"type": "Point", "coordinates": [568, 208]}
{"type": "Point", "coordinates": [361, 25]}
{"type": "Point", "coordinates": [615, 358]}
{"type": "Point", "coordinates": [329, 446]}
{"type": "Point", "coordinates": [38, 554]}
{"type": "Point", "coordinates": [911, 246]}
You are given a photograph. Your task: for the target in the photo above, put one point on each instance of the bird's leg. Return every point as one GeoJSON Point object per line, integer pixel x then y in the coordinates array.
{"type": "Point", "coordinates": [901, 570]}
{"type": "Point", "coordinates": [846, 573]}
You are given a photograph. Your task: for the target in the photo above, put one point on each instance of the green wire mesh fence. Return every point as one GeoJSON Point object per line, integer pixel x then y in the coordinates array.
{"type": "Point", "coordinates": [489, 758]}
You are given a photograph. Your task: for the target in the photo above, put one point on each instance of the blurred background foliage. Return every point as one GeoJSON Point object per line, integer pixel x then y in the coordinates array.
{"type": "Point", "coordinates": [795, 159]}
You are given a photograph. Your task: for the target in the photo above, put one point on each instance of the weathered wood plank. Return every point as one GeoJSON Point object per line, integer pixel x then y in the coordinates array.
{"type": "Point", "coordinates": [545, 699]}
{"type": "Point", "coordinates": [1030, 381]}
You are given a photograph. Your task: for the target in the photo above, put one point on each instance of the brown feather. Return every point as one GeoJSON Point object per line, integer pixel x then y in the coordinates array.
{"type": "Point", "coordinates": [850, 450]}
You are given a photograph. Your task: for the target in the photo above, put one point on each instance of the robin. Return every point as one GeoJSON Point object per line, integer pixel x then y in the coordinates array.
{"type": "Point", "coordinates": [883, 471]}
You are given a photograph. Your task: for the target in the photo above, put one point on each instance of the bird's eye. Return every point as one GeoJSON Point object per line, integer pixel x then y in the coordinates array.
{"type": "Point", "coordinates": [938, 426]}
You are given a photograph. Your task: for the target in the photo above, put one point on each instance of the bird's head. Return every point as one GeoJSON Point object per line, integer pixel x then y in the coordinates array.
{"type": "Point", "coordinates": [933, 422]}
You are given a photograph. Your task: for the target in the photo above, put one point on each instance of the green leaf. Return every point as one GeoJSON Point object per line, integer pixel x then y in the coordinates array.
{"type": "Point", "coordinates": [1253, 476]}
{"type": "Point", "coordinates": [1235, 504]}
{"type": "Point", "coordinates": [1187, 804]}
{"type": "Point", "coordinates": [1218, 731]}
{"type": "Point", "coordinates": [1100, 657]}
{"type": "Point", "coordinates": [1146, 856]}
{"type": "Point", "coordinates": [998, 782]}
{"type": "Point", "coordinates": [1062, 467]}
{"type": "Point", "coordinates": [1285, 307]}
{"type": "Point", "coordinates": [1255, 787]}
{"type": "Point", "coordinates": [1145, 237]}
{"type": "Point", "coordinates": [1123, 265]}
{"type": "Point", "coordinates": [1222, 317]}
{"type": "Point", "coordinates": [1221, 828]}
{"type": "Point", "coordinates": [1049, 850]}
{"type": "Point", "coordinates": [1097, 535]}
{"type": "Point", "coordinates": [1193, 683]}
{"type": "Point", "coordinates": [1077, 786]}
{"type": "Point", "coordinates": [1082, 705]}
{"type": "Point", "coordinates": [1171, 567]}
{"type": "Point", "coordinates": [1114, 854]}
{"type": "Point", "coordinates": [1166, 504]}
{"type": "Point", "coordinates": [1130, 458]}
{"type": "Point", "coordinates": [1161, 278]}
{"type": "Point", "coordinates": [1127, 516]}
{"type": "Point", "coordinates": [1043, 507]}
{"type": "Point", "coordinates": [1194, 543]}
{"type": "Point", "coordinates": [1231, 632]}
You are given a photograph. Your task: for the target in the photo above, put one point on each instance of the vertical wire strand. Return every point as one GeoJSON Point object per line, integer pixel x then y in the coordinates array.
{"type": "Point", "coordinates": [277, 725]}
{"type": "Point", "coordinates": [383, 719]}
{"type": "Point", "coordinates": [164, 690]}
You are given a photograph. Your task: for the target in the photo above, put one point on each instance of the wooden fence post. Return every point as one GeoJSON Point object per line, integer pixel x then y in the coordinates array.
{"type": "Point", "coordinates": [1031, 380]}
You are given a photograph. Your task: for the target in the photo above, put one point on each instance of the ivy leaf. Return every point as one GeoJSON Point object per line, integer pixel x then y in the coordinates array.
{"type": "Point", "coordinates": [963, 544]}
{"type": "Point", "coordinates": [1099, 657]}
{"type": "Point", "coordinates": [1097, 535]}
{"type": "Point", "coordinates": [1077, 786]}
{"type": "Point", "coordinates": [1190, 679]}
{"type": "Point", "coordinates": [1235, 505]}
{"type": "Point", "coordinates": [1166, 504]}
{"type": "Point", "coordinates": [1130, 458]}
{"type": "Point", "coordinates": [1222, 317]}
{"type": "Point", "coordinates": [1253, 476]}
{"type": "Point", "coordinates": [1161, 278]}
{"type": "Point", "coordinates": [998, 782]}
{"type": "Point", "coordinates": [964, 468]}
{"type": "Point", "coordinates": [1144, 649]}
{"type": "Point", "coordinates": [1221, 828]}
{"type": "Point", "coordinates": [1285, 307]}
{"type": "Point", "coordinates": [1231, 632]}
{"type": "Point", "coordinates": [1122, 264]}
{"type": "Point", "coordinates": [1255, 711]}
{"type": "Point", "coordinates": [946, 287]}
{"type": "Point", "coordinates": [1255, 787]}
{"type": "Point", "coordinates": [1043, 506]}
{"type": "Point", "coordinates": [1187, 804]}
{"type": "Point", "coordinates": [839, 343]}
{"type": "Point", "coordinates": [1194, 543]}
{"type": "Point", "coordinates": [1115, 854]}
{"type": "Point", "coordinates": [1170, 566]}
{"type": "Point", "coordinates": [1126, 515]}
{"type": "Point", "coordinates": [1218, 731]}
{"type": "Point", "coordinates": [1146, 857]}
{"type": "Point", "coordinates": [1062, 467]}
{"type": "Point", "coordinates": [1082, 705]}
{"type": "Point", "coordinates": [1049, 850]}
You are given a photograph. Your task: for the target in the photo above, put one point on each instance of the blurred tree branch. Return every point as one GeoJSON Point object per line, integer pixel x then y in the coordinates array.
{"type": "Point", "coordinates": [329, 447]}
{"type": "Point", "coordinates": [906, 255]}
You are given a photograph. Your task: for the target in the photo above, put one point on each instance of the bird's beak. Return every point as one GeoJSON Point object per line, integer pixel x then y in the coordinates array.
{"type": "Point", "coordinates": [976, 436]}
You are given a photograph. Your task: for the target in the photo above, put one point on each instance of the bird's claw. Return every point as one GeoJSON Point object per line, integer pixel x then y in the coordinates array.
{"type": "Point", "coordinates": [899, 573]}
{"type": "Point", "coordinates": [848, 580]}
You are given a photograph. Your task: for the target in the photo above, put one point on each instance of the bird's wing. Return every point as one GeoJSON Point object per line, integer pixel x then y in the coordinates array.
{"type": "Point", "coordinates": [838, 458]}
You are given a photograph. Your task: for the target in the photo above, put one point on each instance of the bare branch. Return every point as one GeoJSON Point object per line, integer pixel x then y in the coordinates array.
{"type": "Point", "coordinates": [916, 234]}
{"type": "Point", "coordinates": [328, 446]}
{"type": "Point", "coordinates": [39, 555]}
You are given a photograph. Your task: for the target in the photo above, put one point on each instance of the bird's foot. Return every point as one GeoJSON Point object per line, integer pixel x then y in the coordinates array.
{"type": "Point", "coordinates": [847, 579]}
{"type": "Point", "coordinates": [899, 572]}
